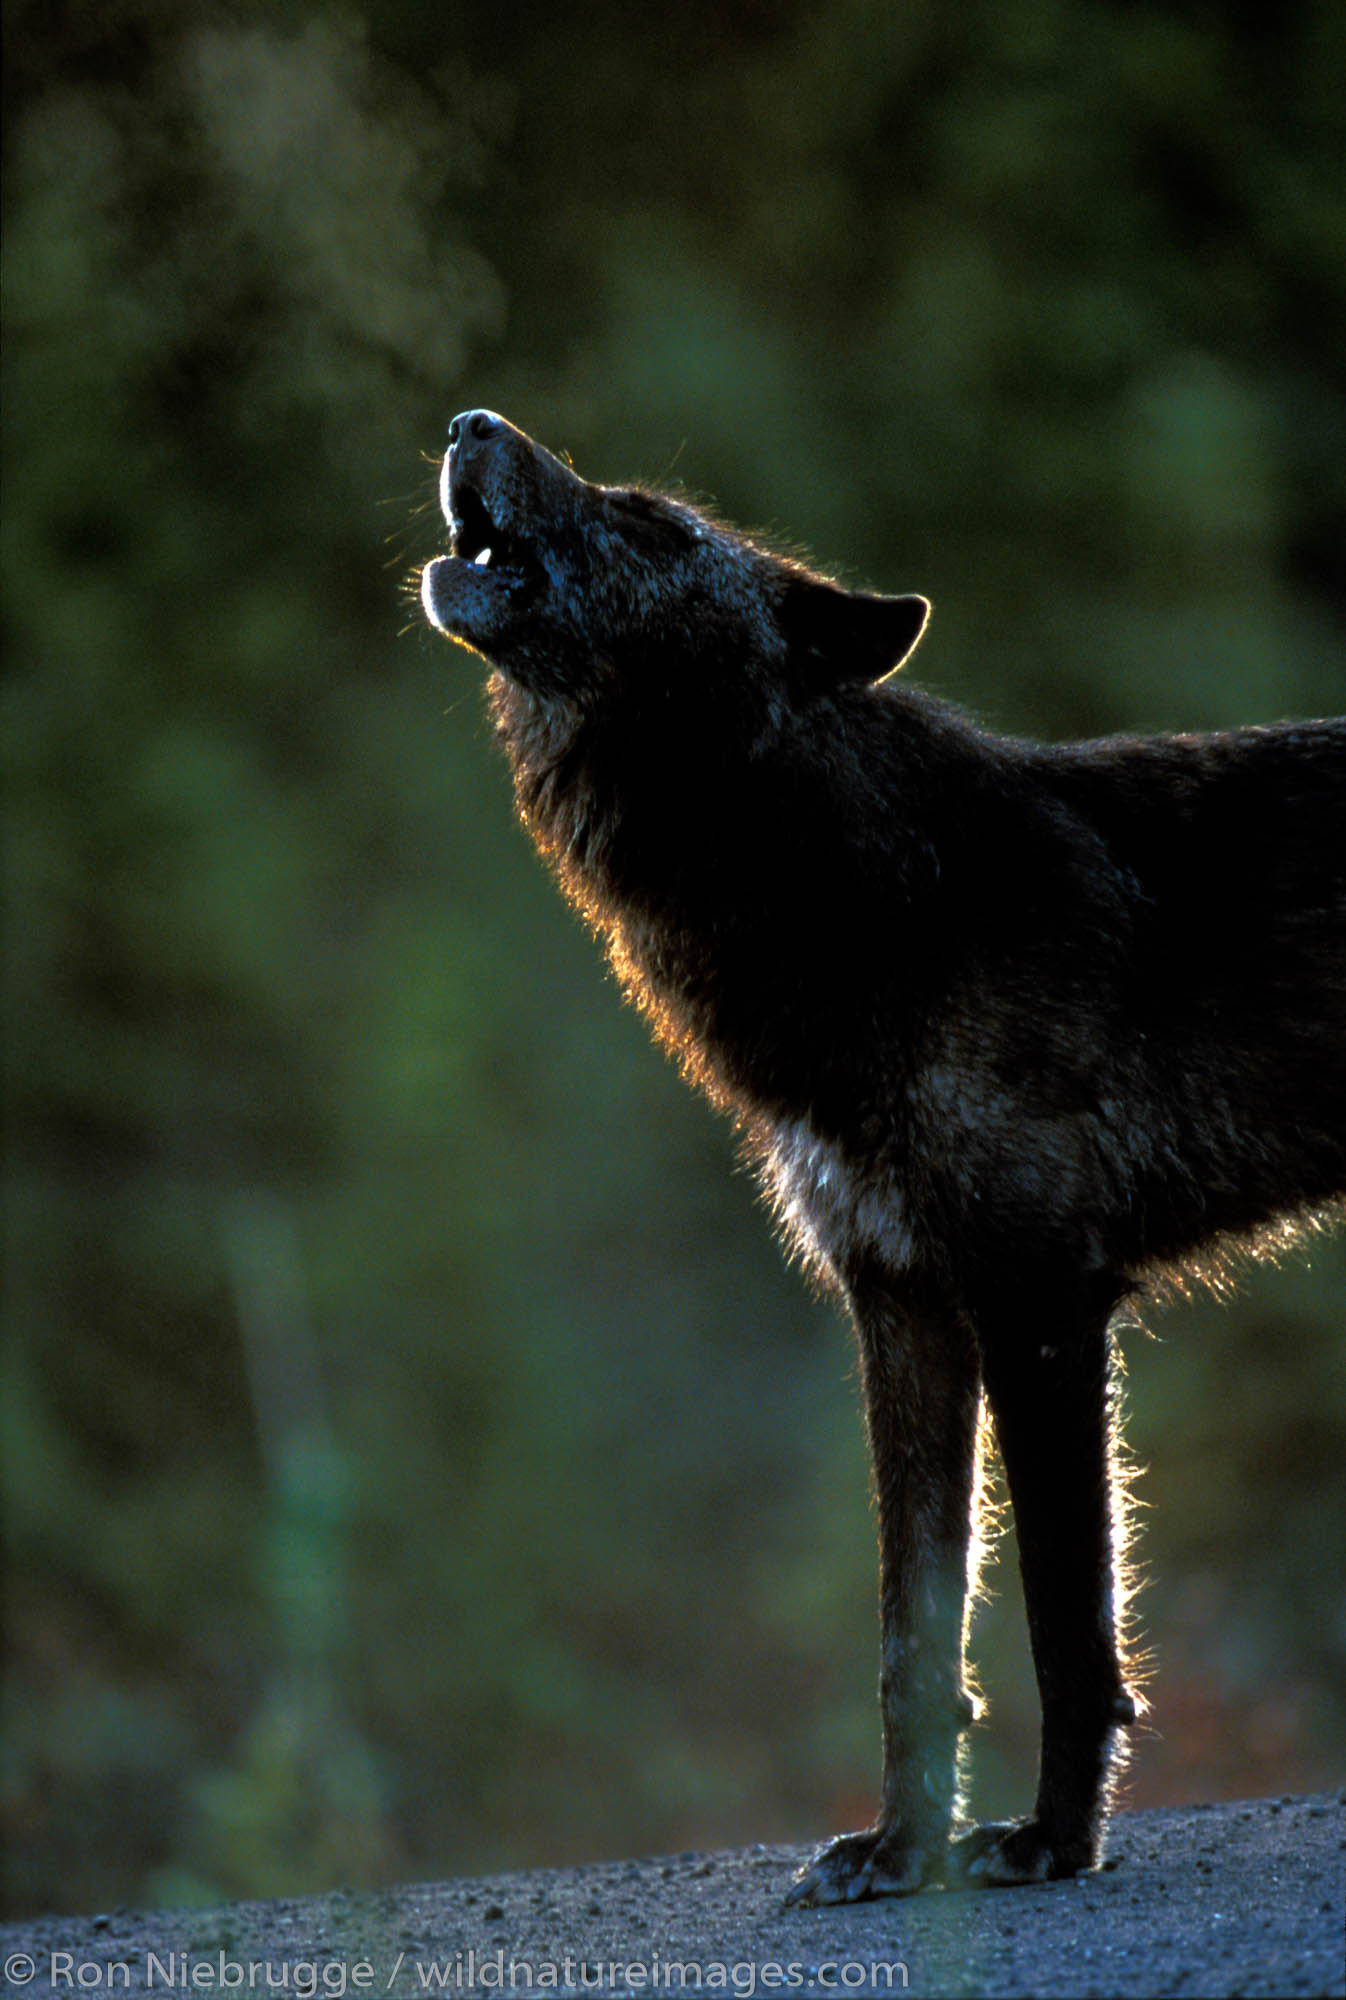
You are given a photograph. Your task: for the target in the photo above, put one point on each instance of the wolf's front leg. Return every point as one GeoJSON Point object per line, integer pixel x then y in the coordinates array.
{"type": "Point", "coordinates": [1048, 1382]}
{"type": "Point", "coordinates": [922, 1392]}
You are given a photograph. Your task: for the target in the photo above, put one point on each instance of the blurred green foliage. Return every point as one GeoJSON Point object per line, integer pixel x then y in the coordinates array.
{"type": "Point", "coordinates": [417, 1457]}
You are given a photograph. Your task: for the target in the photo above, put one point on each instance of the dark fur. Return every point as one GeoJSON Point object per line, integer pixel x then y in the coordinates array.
{"type": "Point", "coordinates": [1010, 1032]}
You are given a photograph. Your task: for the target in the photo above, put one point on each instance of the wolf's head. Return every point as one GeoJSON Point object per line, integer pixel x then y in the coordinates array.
{"type": "Point", "coordinates": [570, 588]}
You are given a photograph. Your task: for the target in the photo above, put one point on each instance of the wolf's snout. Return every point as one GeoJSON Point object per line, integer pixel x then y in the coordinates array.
{"type": "Point", "coordinates": [475, 427]}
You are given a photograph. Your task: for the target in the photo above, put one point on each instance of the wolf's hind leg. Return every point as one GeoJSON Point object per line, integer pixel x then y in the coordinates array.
{"type": "Point", "coordinates": [922, 1393]}
{"type": "Point", "coordinates": [1053, 1412]}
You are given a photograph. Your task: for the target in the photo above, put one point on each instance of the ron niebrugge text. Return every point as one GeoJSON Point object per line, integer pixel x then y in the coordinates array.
{"type": "Point", "coordinates": [463, 1972]}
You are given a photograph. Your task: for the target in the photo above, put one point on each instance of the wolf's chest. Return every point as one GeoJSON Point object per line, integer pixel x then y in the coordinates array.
{"type": "Point", "coordinates": [835, 1212]}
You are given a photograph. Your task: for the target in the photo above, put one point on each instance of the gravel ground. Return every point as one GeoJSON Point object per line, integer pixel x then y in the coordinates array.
{"type": "Point", "coordinates": [1231, 1899]}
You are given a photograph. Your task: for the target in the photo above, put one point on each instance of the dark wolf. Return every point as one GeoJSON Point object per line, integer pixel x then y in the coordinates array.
{"type": "Point", "coordinates": [1012, 1033]}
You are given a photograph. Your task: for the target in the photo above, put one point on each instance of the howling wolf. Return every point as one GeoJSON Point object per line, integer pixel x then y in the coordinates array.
{"type": "Point", "coordinates": [1010, 1032]}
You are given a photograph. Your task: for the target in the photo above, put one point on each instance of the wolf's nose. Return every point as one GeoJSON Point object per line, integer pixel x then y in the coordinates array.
{"type": "Point", "coordinates": [477, 425]}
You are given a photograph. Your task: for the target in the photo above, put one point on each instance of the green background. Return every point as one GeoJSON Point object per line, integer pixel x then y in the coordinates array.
{"type": "Point", "coordinates": [418, 1456]}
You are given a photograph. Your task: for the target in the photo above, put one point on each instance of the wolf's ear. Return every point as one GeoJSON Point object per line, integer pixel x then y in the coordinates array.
{"type": "Point", "coordinates": [837, 635]}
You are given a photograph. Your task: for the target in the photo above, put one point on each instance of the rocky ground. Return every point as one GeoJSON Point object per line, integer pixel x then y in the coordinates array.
{"type": "Point", "coordinates": [1218, 1900]}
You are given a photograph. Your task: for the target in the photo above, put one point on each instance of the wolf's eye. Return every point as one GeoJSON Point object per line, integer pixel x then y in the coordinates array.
{"type": "Point", "coordinates": [641, 510]}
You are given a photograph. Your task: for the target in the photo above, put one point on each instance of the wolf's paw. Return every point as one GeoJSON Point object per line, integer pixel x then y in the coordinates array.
{"type": "Point", "coordinates": [856, 1866]}
{"type": "Point", "coordinates": [1010, 1852]}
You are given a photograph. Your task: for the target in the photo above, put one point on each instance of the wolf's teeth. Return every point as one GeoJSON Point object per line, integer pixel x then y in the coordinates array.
{"type": "Point", "coordinates": [483, 556]}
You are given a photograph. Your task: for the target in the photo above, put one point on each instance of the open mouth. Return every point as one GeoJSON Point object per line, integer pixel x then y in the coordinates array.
{"type": "Point", "coordinates": [475, 538]}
